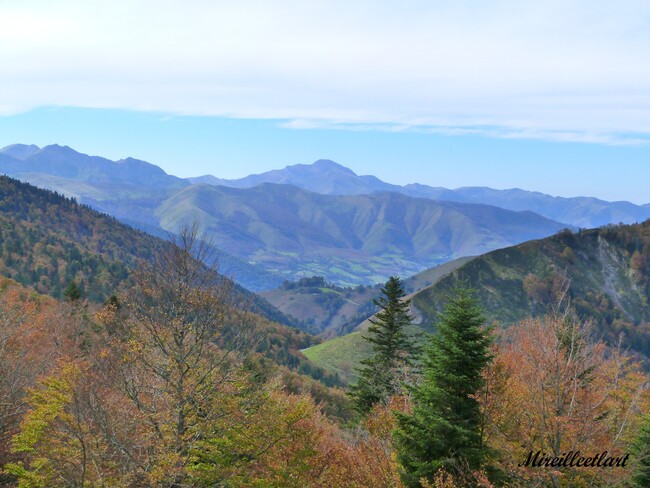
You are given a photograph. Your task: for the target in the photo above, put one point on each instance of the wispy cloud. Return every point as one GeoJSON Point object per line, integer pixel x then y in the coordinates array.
{"type": "Point", "coordinates": [608, 138]}
{"type": "Point", "coordinates": [572, 70]}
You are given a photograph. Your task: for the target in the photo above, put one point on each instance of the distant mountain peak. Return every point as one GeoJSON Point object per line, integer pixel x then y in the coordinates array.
{"type": "Point", "coordinates": [20, 151]}
{"type": "Point", "coordinates": [130, 160]}
{"type": "Point", "coordinates": [64, 162]}
{"type": "Point", "coordinates": [58, 147]}
{"type": "Point", "coordinates": [329, 164]}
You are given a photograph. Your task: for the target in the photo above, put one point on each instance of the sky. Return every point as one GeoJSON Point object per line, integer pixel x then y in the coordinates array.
{"type": "Point", "coordinates": [551, 96]}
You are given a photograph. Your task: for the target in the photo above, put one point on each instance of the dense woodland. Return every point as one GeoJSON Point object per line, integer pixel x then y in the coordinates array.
{"type": "Point", "coordinates": [606, 270]}
{"type": "Point", "coordinates": [163, 378]}
{"type": "Point", "coordinates": [48, 241]}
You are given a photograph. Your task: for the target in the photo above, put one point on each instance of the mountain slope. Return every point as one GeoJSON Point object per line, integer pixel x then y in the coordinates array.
{"type": "Point", "coordinates": [607, 271]}
{"type": "Point", "coordinates": [346, 239]}
{"type": "Point", "coordinates": [47, 241]}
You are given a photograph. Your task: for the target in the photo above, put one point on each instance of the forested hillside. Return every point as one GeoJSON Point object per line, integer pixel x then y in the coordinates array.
{"type": "Point", "coordinates": [49, 241]}
{"type": "Point", "coordinates": [603, 273]}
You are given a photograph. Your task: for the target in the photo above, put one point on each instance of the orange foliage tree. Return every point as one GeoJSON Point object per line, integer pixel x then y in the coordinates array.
{"type": "Point", "coordinates": [553, 389]}
{"type": "Point", "coordinates": [34, 331]}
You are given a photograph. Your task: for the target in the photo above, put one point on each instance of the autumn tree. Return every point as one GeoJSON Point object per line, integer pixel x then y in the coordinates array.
{"type": "Point", "coordinates": [55, 436]}
{"type": "Point", "coordinates": [173, 370]}
{"type": "Point", "coordinates": [553, 388]}
{"type": "Point", "coordinates": [263, 437]}
{"type": "Point", "coordinates": [444, 429]}
{"type": "Point", "coordinates": [23, 316]}
{"type": "Point", "coordinates": [52, 463]}
{"type": "Point", "coordinates": [60, 400]}
{"type": "Point", "coordinates": [394, 350]}
{"type": "Point", "coordinates": [34, 332]}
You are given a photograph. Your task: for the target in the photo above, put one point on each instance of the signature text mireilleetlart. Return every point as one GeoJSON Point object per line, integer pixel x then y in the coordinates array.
{"type": "Point", "coordinates": [574, 459]}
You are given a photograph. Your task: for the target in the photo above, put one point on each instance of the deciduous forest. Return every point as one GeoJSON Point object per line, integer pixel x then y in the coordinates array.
{"type": "Point", "coordinates": [173, 383]}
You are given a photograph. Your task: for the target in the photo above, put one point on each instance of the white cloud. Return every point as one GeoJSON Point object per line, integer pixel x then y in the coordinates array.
{"type": "Point", "coordinates": [559, 70]}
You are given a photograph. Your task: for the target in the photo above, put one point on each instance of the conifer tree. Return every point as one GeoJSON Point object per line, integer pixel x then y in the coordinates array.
{"type": "Point", "coordinates": [72, 292]}
{"type": "Point", "coordinates": [394, 350]}
{"type": "Point", "coordinates": [443, 430]}
{"type": "Point", "coordinates": [641, 455]}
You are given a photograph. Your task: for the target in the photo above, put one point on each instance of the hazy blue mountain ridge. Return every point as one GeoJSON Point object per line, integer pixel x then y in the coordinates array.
{"type": "Point", "coordinates": [323, 176]}
{"type": "Point", "coordinates": [328, 177]}
{"type": "Point", "coordinates": [62, 161]}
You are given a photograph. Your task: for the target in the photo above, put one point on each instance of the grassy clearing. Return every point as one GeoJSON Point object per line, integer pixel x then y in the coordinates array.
{"type": "Point", "coordinates": [343, 354]}
{"type": "Point", "coordinates": [340, 355]}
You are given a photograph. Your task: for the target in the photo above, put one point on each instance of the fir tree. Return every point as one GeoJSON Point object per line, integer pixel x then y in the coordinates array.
{"type": "Point", "coordinates": [641, 456]}
{"type": "Point", "coordinates": [72, 292]}
{"type": "Point", "coordinates": [394, 351]}
{"type": "Point", "coordinates": [443, 430]}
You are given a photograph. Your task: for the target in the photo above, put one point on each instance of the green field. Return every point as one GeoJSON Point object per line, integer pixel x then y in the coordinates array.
{"type": "Point", "coordinates": [340, 355]}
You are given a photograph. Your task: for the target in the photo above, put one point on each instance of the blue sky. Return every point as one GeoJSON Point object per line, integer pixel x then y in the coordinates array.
{"type": "Point", "coordinates": [551, 96]}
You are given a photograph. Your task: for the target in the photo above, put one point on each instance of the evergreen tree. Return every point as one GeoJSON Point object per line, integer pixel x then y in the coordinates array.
{"type": "Point", "coordinates": [72, 292]}
{"type": "Point", "coordinates": [394, 351]}
{"type": "Point", "coordinates": [443, 430]}
{"type": "Point", "coordinates": [641, 456]}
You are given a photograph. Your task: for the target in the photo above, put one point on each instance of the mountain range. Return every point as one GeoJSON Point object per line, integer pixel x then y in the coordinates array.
{"type": "Point", "coordinates": [320, 219]}
{"type": "Point", "coordinates": [330, 178]}
{"type": "Point", "coordinates": [348, 239]}
{"type": "Point", "coordinates": [323, 176]}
